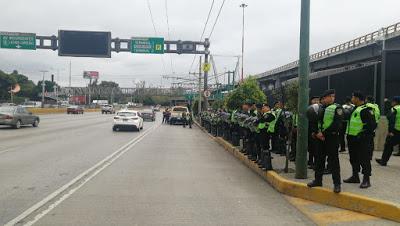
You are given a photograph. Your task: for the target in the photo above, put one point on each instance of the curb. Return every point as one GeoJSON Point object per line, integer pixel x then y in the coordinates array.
{"type": "Point", "coordinates": [44, 111]}
{"type": "Point", "coordinates": [344, 200]}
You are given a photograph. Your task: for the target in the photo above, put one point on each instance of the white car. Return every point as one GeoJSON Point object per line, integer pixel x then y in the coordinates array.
{"type": "Point", "coordinates": [127, 119]}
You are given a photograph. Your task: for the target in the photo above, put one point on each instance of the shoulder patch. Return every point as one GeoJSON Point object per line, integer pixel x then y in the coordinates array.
{"type": "Point", "coordinates": [339, 111]}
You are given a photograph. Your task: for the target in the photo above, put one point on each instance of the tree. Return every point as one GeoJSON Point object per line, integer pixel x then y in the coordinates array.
{"type": "Point", "coordinates": [248, 90]}
{"type": "Point", "coordinates": [288, 94]}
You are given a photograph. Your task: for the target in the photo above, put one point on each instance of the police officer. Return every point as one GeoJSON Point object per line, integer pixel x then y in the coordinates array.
{"type": "Point", "coordinates": [265, 117]}
{"type": "Point", "coordinates": [360, 138]}
{"type": "Point", "coordinates": [370, 102]}
{"type": "Point", "coordinates": [393, 138]}
{"type": "Point", "coordinates": [348, 108]}
{"type": "Point", "coordinates": [244, 132]}
{"type": "Point", "coordinates": [293, 141]}
{"type": "Point", "coordinates": [275, 128]}
{"type": "Point", "coordinates": [312, 115]}
{"type": "Point", "coordinates": [327, 135]}
{"type": "Point", "coordinates": [235, 129]}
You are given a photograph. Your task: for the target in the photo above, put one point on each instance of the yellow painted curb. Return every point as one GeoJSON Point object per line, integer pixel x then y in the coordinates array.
{"type": "Point", "coordinates": [42, 111]}
{"type": "Point", "coordinates": [344, 200]}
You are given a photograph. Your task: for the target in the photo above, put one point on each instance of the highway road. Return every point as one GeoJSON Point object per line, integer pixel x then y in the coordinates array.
{"type": "Point", "coordinates": [73, 170]}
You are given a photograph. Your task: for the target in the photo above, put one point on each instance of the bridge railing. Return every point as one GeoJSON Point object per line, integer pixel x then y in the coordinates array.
{"type": "Point", "coordinates": [383, 33]}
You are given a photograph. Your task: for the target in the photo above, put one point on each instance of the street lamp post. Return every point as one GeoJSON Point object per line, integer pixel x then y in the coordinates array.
{"type": "Point", "coordinates": [44, 72]}
{"type": "Point", "coordinates": [243, 6]}
{"type": "Point", "coordinates": [304, 72]}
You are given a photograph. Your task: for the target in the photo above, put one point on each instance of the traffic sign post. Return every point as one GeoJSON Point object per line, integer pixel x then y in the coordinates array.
{"type": "Point", "coordinates": [15, 40]}
{"type": "Point", "coordinates": [207, 93]}
{"type": "Point", "coordinates": [147, 45]}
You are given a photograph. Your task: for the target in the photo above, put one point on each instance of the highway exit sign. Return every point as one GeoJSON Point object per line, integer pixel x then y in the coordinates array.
{"type": "Point", "coordinates": [147, 45]}
{"type": "Point", "coordinates": [11, 40]}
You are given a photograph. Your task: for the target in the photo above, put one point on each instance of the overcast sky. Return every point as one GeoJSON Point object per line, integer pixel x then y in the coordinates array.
{"type": "Point", "coordinates": [271, 33]}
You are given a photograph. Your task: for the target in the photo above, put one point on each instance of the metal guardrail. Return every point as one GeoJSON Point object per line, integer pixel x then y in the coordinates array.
{"type": "Point", "coordinates": [381, 34]}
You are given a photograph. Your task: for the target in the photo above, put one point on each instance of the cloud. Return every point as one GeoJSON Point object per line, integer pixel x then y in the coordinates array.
{"type": "Point", "coordinates": [271, 33]}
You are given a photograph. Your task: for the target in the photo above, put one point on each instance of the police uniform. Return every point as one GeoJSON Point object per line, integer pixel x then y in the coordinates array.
{"type": "Point", "coordinates": [251, 147]}
{"type": "Point", "coordinates": [264, 138]}
{"type": "Point", "coordinates": [329, 125]}
{"type": "Point", "coordinates": [360, 139]}
{"type": "Point", "coordinates": [274, 129]}
{"type": "Point", "coordinates": [347, 110]}
{"type": "Point", "coordinates": [394, 128]}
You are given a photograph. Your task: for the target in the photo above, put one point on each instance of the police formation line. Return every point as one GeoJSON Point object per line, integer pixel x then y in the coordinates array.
{"type": "Point", "coordinates": [260, 131]}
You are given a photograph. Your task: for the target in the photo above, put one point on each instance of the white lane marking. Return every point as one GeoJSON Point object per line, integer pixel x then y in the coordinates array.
{"type": "Point", "coordinates": [102, 164]}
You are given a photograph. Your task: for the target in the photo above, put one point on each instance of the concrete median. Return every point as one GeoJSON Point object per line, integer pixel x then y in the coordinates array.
{"type": "Point", "coordinates": [344, 200]}
{"type": "Point", "coordinates": [45, 111]}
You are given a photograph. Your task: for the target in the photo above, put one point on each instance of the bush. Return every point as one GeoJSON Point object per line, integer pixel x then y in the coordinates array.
{"type": "Point", "coordinates": [248, 90]}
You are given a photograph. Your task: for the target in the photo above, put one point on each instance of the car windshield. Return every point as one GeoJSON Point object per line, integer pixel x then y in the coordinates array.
{"type": "Point", "coordinates": [180, 109]}
{"type": "Point", "coordinates": [7, 109]}
{"type": "Point", "coordinates": [127, 114]}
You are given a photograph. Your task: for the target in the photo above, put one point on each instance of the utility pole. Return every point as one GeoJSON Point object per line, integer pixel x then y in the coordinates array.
{"type": "Point", "coordinates": [243, 6]}
{"type": "Point", "coordinates": [70, 66]}
{"type": "Point", "coordinates": [199, 105]}
{"type": "Point", "coordinates": [207, 51]}
{"type": "Point", "coordinates": [304, 72]}
{"type": "Point", "coordinates": [43, 71]}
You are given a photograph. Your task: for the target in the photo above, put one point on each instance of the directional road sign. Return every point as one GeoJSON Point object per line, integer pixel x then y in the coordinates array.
{"type": "Point", "coordinates": [147, 45]}
{"type": "Point", "coordinates": [14, 40]}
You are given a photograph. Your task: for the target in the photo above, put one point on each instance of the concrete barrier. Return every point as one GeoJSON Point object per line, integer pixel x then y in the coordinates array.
{"type": "Point", "coordinates": [44, 111]}
{"type": "Point", "coordinates": [344, 200]}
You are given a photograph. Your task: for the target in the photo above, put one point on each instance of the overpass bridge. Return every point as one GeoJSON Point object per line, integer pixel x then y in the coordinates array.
{"type": "Point", "coordinates": [369, 63]}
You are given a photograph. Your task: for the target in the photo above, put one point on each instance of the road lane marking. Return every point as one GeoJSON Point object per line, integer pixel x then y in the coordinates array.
{"type": "Point", "coordinates": [41, 208]}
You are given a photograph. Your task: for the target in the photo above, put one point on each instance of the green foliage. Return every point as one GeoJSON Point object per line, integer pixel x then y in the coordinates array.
{"type": "Point", "coordinates": [248, 90]}
{"type": "Point", "coordinates": [28, 88]}
{"type": "Point", "coordinates": [217, 104]}
{"type": "Point", "coordinates": [48, 86]}
{"type": "Point", "coordinates": [288, 94]}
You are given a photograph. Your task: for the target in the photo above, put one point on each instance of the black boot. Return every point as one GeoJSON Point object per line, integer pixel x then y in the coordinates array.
{"type": "Point", "coordinates": [366, 183]}
{"type": "Point", "coordinates": [381, 162]}
{"type": "Point", "coordinates": [314, 183]}
{"type": "Point", "coordinates": [337, 188]}
{"type": "Point", "coordinates": [354, 179]}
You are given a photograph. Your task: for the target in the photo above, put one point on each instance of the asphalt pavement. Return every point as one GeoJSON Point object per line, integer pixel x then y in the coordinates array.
{"type": "Point", "coordinates": [164, 175]}
{"type": "Point", "coordinates": [34, 162]}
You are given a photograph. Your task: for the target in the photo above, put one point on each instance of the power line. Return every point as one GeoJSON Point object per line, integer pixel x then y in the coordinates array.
{"type": "Point", "coordinates": [169, 36]}
{"type": "Point", "coordinates": [204, 29]}
{"type": "Point", "coordinates": [216, 20]}
{"type": "Point", "coordinates": [155, 30]}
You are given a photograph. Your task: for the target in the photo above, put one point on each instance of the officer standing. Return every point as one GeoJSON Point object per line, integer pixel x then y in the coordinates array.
{"type": "Point", "coordinates": [370, 102]}
{"type": "Point", "coordinates": [393, 138]}
{"type": "Point", "coordinates": [348, 108]}
{"type": "Point", "coordinates": [265, 117]}
{"type": "Point", "coordinates": [312, 115]}
{"type": "Point", "coordinates": [274, 129]}
{"type": "Point", "coordinates": [360, 138]}
{"type": "Point", "coordinates": [244, 132]}
{"type": "Point", "coordinates": [328, 137]}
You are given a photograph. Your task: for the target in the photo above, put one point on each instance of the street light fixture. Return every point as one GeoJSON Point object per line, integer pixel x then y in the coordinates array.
{"type": "Point", "coordinates": [243, 6]}
{"type": "Point", "coordinates": [44, 72]}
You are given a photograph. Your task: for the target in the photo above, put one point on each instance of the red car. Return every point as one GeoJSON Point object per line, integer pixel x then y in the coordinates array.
{"type": "Point", "coordinates": [75, 110]}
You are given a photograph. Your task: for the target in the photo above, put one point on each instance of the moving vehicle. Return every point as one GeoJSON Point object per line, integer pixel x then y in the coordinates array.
{"type": "Point", "coordinates": [74, 109]}
{"type": "Point", "coordinates": [148, 114]}
{"type": "Point", "coordinates": [176, 115]}
{"type": "Point", "coordinates": [127, 119]}
{"type": "Point", "coordinates": [107, 109]}
{"type": "Point", "coordinates": [16, 116]}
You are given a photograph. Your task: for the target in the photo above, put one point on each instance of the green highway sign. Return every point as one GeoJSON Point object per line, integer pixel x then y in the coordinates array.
{"type": "Point", "coordinates": [11, 40]}
{"type": "Point", "coordinates": [147, 45]}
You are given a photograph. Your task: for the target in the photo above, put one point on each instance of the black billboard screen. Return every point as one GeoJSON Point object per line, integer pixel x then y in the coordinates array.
{"type": "Point", "coordinates": [84, 43]}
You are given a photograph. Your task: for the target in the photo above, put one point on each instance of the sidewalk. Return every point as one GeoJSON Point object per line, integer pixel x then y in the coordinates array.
{"type": "Point", "coordinates": [385, 180]}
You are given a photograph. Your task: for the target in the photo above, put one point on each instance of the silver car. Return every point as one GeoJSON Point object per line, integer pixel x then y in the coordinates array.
{"type": "Point", "coordinates": [16, 116]}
